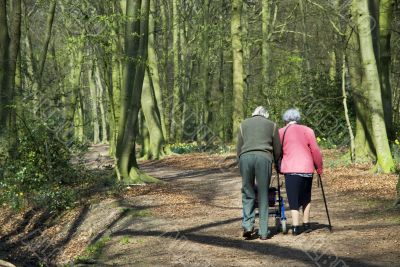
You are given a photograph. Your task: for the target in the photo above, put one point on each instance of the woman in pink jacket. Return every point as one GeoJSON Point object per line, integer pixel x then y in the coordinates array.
{"type": "Point", "coordinates": [301, 155]}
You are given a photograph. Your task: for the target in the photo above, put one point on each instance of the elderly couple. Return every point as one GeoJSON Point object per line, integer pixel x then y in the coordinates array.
{"type": "Point", "coordinates": [296, 154]}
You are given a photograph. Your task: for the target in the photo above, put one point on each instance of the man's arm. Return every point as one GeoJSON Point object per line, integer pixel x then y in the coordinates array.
{"type": "Point", "coordinates": [276, 144]}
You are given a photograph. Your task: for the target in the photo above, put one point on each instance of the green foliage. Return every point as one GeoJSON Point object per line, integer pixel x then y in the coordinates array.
{"type": "Point", "coordinates": [184, 148]}
{"type": "Point", "coordinates": [396, 150]}
{"type": "Point", "coordinates": [41, 173]}
{"type": "Point", "coordinates": [94, 250]}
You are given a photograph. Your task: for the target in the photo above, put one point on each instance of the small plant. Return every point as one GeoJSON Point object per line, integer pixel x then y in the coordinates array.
{"type": "Point", "coordinates": [93, 251]}
{"type": "Point", "coordinates": [125, 240]}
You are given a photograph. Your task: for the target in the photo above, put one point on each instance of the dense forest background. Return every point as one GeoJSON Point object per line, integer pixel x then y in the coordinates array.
{"type": "Point", "coordinates": [151, 78]}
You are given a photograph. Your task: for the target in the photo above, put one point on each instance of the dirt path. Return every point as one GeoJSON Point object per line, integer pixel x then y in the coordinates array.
{"type": "Point", "coordinates": [194, 220]}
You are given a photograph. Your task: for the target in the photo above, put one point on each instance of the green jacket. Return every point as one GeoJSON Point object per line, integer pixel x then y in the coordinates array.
{"type": "Point", "coordinates": [258, 135]}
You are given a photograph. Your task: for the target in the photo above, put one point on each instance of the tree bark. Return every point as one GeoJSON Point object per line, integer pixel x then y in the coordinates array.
{"type": "Point", "coordinates": [49, 27]}
{"type": "Point", "coordinates": [370, 68]}
{"type": "Point", "coordinates": [136, 38]}
{"type": "Point", "coordinates": [154, 77]}
{"type": "Point", "coordinates": [94, 108]}
{"type": "Point", "coordinates": [176, 109]}
{"type": "Point", "coordinates": [9, 47]}
{"type": "Point", "coordinates": [101, 99]}
{"type": "Point", "coordinates": [346, 111]}
{"type": "Point", "coordinates": [153, 123]}
{"type": "Point", "coordinates": [237, 57]}
{"type": "Point", "coordinates": [364, 147]}
{"type": "Point", "coordinates": [265, 45]}
{"type": "Point", "coordinates": [385, 21]}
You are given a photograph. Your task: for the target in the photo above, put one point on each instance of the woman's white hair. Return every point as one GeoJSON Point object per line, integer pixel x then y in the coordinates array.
{"type": "Point", "coordinates": [291, 115]}
{"type": "Point", "coordinates": [261, 111]}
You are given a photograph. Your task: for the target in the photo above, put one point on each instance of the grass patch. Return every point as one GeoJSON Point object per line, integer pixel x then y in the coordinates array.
{"type": "Point", "coordinates": [93, 251]}
{"type": "Point", "coordinates": [139, 213]}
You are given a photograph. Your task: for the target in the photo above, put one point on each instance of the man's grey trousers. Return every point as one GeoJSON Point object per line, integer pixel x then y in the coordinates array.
{"type": "Point", "coordinates": [255, 167]}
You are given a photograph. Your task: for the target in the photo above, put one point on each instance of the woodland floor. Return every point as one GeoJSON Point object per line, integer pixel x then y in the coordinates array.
{"type": "Point", "coordinates": [194, 219]}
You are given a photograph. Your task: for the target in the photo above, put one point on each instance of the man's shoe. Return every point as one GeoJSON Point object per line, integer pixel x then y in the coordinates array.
{"type": "Point", "coordinates": [248, 233]}
{"type": "Point", "coordinates": [307, 227]}
{"type": "Point", "coordinates": [269, 235]}
{"type": "Point", "coordinates": [296, 230]}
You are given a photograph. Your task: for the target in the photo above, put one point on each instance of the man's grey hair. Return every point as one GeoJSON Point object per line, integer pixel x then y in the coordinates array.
{"type": "Point", "coordinates": [261, 111]}
{"type": "Point", "coordinates": [291, 115]}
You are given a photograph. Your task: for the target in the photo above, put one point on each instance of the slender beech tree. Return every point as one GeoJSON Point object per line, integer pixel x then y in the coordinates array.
{"type": "Point", "coordinates": [237, 57]}
{"type": "Point", "coordinates": [265, 44]}
{"type": "Point", "coordinates": [176, 109]}
{"type": "Point", "coordinates": [93, 104]}
{"type": "Point", "coordinates": [372, 85]}
{"type": "Point", "coordinates": [101, 99]}
{"type": "Point", "coordinates": [154, 77]}
{"type": "Point", "coordinates": [153, 122]}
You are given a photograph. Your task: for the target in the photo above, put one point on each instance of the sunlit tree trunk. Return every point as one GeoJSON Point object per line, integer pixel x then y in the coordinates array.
{"type": "Point", "coordinates": [93, 105]}
{"type": "Point", "coordinates": [176, 114]}
{"type": "Point", "coordinates": [115, 80]}
{"type": "Point", "coordinates": [154, 77]}
{"type": "Point", "coordinates": [364, 147]}
{"type": "Point", "coordinates": [153, 122]}
{"type": "Point", "coordinates": [101, 100]}
{"type": "Point", "coordinates": [167, 103]}
{"type": "Point", "coordinates": [49, 27]}
{"type": "Point", "coordinates": [372, 84]}
{"type": "Point", "coordinates": [265, 45]}
{"type": "Point", "coordinates": [136, 44]}
{"type": "Point", "coordinates": [237, 57]}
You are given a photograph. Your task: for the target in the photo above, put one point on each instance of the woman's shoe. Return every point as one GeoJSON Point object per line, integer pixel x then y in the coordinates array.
{"type": "Point", "coordinates": [307, 227]}
{"type": "Point", "coordinates": [296, 230]}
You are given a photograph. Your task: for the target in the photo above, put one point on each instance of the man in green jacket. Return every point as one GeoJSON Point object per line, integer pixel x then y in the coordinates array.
{"type": "Point", "coordinates": [257, 147]}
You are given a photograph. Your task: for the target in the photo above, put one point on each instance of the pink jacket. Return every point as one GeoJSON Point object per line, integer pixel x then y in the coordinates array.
{"type": "Point", "coordinates": [300, 150]}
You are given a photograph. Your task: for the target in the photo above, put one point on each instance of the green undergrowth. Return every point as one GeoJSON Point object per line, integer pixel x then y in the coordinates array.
{"type": "Point", "coordinates": [47, 173]}
{"type": "Point", "coordinates": [193, 147]}
{"type": "Point", "coordinates": [93, 251]}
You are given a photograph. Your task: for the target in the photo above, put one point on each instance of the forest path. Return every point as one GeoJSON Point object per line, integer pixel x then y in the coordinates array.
{"type": "Point", "coordinates": [195, 220]}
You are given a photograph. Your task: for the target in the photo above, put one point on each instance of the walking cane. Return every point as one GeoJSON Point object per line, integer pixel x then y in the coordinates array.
{"type": "Point", "coordinates": [326, 206]}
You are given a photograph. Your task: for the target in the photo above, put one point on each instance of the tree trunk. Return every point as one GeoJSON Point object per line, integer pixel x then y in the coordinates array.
{"type": "Point", "coordinates": [9, 46]}
{"type": "Point", "coordinates": [94, 108]}
{"type": "Point", "coordinates": [385, 21]}
{"type": "Point", "coordinates": [101, 99]}
{"type": "Point", "coordinates": [346, 112]}
{"type": "Point", "coordinates": [49, 27]}
{"type": "Point", "coordinates": [237, 57]}
{"type": "Point", "coordinates": [370, 68]}
{"type": "Point", "coordinates": [364, 147]}
{"type": "Point", "coordinates": [265, 45]}
{"type": "Point", "coordinates": [154, 77]}
{"type": "Point", "coordinates": [153, 123]}
{"type": "Point", "coordinates": [204, 69]}
{"type": "Point", "coordinates": [167, 105]}
{"type": "Point", "coordinates": [176, 109]}
{"type": "Point", "coordinates": [136, 38]}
